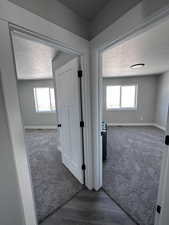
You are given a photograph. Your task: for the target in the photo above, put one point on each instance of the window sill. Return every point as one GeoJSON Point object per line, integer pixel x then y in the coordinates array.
{"type": "Point", "coordinates": [46, 112]}
{"type": "Point", "coordinates": [122, 109]}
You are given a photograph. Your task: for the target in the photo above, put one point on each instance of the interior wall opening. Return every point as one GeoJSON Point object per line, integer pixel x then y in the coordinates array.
{"type": "Point", "coordinates": [134, 95]}
{"type": "Point", "coordinates": [43, 71]}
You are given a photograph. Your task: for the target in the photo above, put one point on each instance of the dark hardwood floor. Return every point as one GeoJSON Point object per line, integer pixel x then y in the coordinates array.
{"type": "Point", "coordinates": [89, 208]}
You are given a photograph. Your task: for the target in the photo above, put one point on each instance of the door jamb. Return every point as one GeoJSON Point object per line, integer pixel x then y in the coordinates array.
{"type": "Point", "coordinates": [80, 77]}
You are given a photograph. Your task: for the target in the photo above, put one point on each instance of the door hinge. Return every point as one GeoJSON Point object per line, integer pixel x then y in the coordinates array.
{"type": "Point", "coordinates": [81, 123]}
{"type": "Point", "coordinates": [167, 139]}
{"type": "Point", "coordinates": [80, 73]}
{"type": "Point", "coordinates": [159, 209]}
{"type": "Point", "coordinates": [83, 167]}
{"type": "Point", "coordinates": [102, 133]}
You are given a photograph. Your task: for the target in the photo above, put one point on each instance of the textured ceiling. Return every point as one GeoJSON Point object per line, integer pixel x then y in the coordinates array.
{"type": "Point", "coordinates": [33, 59]}
{"type": "Point", "coordinates": [87, 9]}
{"type": "Point", "coordinates": [151, 48]}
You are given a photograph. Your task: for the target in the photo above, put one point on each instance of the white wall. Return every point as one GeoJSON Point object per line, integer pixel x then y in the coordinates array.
{"type": "Point", "coordinates": [153, 100]}
{"type": "Point", "coordinates": [10, 202]}
{"type": "Point", "coordinates": [63, 16]}
{"type": "Point", "coordinates": [62, 59]}
{"type": "Point", "coordinates": [151, 6]}
{"type": "Point", "coordinates": [162, 101]}
{"type": "Point", "coordinates": [57, 13]}
{"type": "Point", "coordinates": [146, 97]}
{"type": "Point", "coordinates": [26, 96]}
{"type": "Point", "coordinates": [105, 17]}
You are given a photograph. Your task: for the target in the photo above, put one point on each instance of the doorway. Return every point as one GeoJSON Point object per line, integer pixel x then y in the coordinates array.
{"type": "Point", "coordinates": [135, 108]}
{"type": "Point", "coordinates": [54, 179]}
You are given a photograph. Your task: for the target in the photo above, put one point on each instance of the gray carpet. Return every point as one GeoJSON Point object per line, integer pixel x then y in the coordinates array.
{"type": "Point", "coordinates": [53, 184]}
{"type": "Point", "coordinates": [89, 208]}
{"type": "Point", "coordinates": [132, 170]}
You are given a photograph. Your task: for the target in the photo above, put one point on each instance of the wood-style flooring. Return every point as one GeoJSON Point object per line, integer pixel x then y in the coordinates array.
{"type": "Point", "coordinates": [89, 208]}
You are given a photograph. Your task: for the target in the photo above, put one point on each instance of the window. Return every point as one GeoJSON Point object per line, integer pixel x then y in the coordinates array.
{"type": "Point", "coordinates": [44, 99]}
{"type": "Point", "coordinates": [121, 97]}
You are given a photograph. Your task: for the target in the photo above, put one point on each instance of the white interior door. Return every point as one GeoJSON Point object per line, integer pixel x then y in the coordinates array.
{"type": "Point", "coordinates": [162, 218]}
{"type": "Point", "coordinates": [69, 116]}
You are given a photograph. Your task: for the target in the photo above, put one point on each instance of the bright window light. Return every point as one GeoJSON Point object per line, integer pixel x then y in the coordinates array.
{"type": "Point", "coordinates": [121, 97]}
{"type": "Point", "coordinates": [52, 99]}
{"type": "Point", "coordinates": [113, 97]}
{"type": "Point", "coordinates": [128, 96]}
{"type": "Point", "coordinates": [44, 99]}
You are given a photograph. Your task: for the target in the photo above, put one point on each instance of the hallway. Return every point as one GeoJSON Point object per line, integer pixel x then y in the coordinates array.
{"type": "Point", "coordinates": [89, 208]}
{"type": "Point", "coordinates": [64, 201]}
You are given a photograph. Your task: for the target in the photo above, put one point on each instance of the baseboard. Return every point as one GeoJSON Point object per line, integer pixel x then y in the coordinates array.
{"type": "Point", "coordinates": [40, 127]}
{"type": "Point", "coordinates": [130, 124]}
{"type": "Point", "coordinates": [160, 127]}
{"type": "Point", "coordinates": [137, 124]}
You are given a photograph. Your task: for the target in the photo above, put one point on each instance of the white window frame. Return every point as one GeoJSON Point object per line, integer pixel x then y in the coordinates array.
{"type": "Point", "coordinates": [123, 108]}
{"type": "Point", "coordinates": [36, 101]}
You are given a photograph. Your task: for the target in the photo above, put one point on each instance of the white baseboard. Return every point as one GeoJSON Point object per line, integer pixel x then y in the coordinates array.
{"type": "Point", "coordinates": [130, 124]}
{"type": "Point", "coordinates": [137, 124]}
{"type": "Point", "coordinates": [160, 127]}
{"type": "Point", "coordinates": [40, 127]}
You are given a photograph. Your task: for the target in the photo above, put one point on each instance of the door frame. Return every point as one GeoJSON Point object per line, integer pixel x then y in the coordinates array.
{"type": "Point", "coordinates": [35, 36]}
{"type": "Point", "coordinates": [39, 38]}
{"type": "Point", "coordinates": [157, 18]}
{"type": "Point", "coordinates": [15, 17]}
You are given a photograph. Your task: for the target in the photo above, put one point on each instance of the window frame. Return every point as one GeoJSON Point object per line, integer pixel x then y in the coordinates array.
{"type": "Point", "coordinates": [50, 102]}
{"type": "Point", "coordinates": [123, 108]}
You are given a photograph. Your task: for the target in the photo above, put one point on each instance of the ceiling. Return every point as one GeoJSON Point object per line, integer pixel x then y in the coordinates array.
{"type": "Point", "coordinates": [87, 9]}
{"type": "Point", "coordinates": [86, 18]}
{"type": "Point", "coordinates": [150, 48]}
{"type": "Point", "coordinates": [33, 59]}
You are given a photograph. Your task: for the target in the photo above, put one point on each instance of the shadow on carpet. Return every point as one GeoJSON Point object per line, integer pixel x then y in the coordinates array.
{"type": "Point", "coordinates": [53, 184]}
{"type": "Point", "coordinates": [132, 171]}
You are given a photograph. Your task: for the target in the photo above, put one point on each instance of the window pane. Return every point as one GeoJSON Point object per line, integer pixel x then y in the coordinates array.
{"type": "Point", "coordinates": [128, 96]}
{"type": "Point", "coordinates": [42, 99]}
{"type": "Point", "coordinates": [52, 98]}
{"type": "Point", "coordinates": [113, 97]}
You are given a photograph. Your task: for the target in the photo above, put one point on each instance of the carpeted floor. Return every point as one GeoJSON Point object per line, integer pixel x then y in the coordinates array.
{"type": "Point", "coordinates": [53, 184]}
{"type": "Point", "coordinates": [132, 170]}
